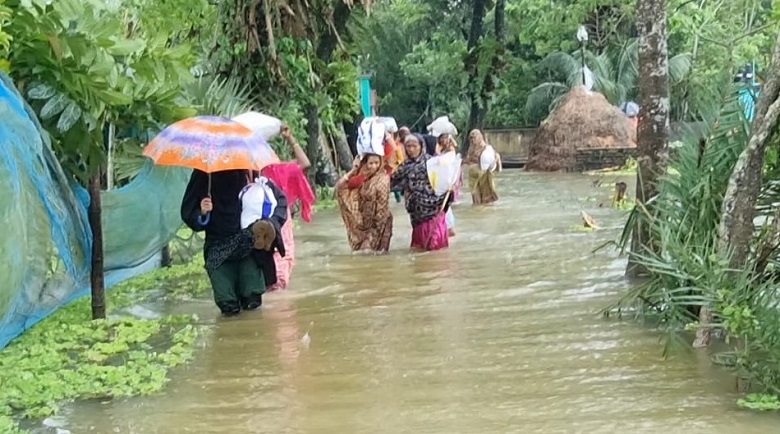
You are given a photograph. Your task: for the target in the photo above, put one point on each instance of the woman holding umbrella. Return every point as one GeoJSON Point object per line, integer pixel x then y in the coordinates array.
{"type": "Point", "coordinates": [290, 177]}
{"type": "Point", "coordinates": [225, 157]}
{"type": "Point", "coordinates": [239, 261]}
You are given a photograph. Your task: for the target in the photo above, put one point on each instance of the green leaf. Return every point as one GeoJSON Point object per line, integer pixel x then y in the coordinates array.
{"type": "Point", "coordinates": [54, 106]}
{"type": "Point", "coordinates": [103, 65]}
{"type": "Point", "coordinates": [126, 47]}
{"type": "Point", "coordinates": [69, 116]}
{"type": "Point", "coordinates": [40, 91]}
{"type": "Point", "coordinates": [112, 97]}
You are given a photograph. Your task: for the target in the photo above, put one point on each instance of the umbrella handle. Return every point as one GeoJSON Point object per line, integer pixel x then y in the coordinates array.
{"type": "Point", "coordinates": [208, 194]}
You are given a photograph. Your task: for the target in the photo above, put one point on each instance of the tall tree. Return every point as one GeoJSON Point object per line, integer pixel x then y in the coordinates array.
{"type": "Point", "coordinates": [653, 129]}
{"type": "Point", "coordinates": [736, 228]}
{"type": "Point", "coordinates": [484, 60]}
{"type": "Point", "coordinates": [739, 203]}
{"type": "Point", "coordinates": [86, 73]}
{"type": "Point", "coordinates": [287, 53]}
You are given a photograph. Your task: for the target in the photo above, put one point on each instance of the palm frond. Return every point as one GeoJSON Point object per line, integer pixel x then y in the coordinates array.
{"type": "Point", "coordinates": [683, 218]}
{"type": "Point", "coordinates": [627, 65]}
{"type": "Point", "coordinates": [220, 96]}
{"type": "Point", "coordinates": [543, 97]}
{"type": "Point", "coordinates": [560, 63]}
{"type": "Point", "coordinates": [679, 67]}
{"type": "Point", "coordinates": [129, 161]}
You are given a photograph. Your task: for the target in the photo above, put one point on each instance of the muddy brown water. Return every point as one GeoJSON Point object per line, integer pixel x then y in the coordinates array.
{"type": "Point", "coordinates": [497, 334]}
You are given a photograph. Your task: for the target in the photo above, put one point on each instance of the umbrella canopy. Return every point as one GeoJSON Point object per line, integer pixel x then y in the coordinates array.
{"type": "Point", "coordinates": [210, 144]}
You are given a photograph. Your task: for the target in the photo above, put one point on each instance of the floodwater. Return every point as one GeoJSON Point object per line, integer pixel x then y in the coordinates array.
{"type": "Point", "coordinates": [498, 334]}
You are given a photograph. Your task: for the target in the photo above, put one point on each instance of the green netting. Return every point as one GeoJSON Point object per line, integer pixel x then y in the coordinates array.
{"type": "Point", "coordinates": [47, 244]}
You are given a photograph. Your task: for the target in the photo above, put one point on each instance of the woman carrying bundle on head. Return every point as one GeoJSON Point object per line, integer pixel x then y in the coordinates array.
{"type": "Point", "coordinates": [425, 208]}
{"type": "Point", "coordinates": [482, 161]}
{"type": "Point", "coordinates": [363, 196]}
{"type": "Point", "coordinates": [290, 177]}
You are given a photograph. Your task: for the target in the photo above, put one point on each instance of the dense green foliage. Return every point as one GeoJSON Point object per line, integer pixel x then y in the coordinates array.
{"type": "Point", "coordinates": [416, 50]}
{"type": "Point", "coordinates": [689, 272]}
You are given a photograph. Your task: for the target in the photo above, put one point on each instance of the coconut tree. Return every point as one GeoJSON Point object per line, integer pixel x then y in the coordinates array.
{"type": "Point", "coordinates": [613, 76]}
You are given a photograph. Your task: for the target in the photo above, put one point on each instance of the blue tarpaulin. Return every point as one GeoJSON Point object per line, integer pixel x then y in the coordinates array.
{"type": "Point", "coordinates": [46, 250]}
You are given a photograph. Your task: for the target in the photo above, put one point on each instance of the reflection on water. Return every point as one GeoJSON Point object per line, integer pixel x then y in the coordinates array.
{"type": "Point", "coordinates": [498, 334]}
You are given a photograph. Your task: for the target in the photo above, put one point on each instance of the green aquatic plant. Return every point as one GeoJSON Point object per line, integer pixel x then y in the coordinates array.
{"type": "Point", "coordinates": [67, 356]}
{"type": "Point", "coordinates": [760, 401]}
{"type": "Point", "coordinates": [626, 204]}
{"type": "Point", "coordinates": [580, 228]}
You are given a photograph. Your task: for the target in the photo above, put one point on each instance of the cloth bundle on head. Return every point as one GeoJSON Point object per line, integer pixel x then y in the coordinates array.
{"type": "Point", "coordinates": [257, 202]}
{"type": "Point", "coordinates": [630, 108]}
{"type": "Point", "coordinates": [442, 125]}
{"type": "Point", "coordinates": [264, 125]}
{"type": "Point", "coordinates": [371, 137]}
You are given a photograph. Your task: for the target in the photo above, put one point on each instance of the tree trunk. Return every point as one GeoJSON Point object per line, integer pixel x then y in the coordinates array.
{"type": "Point", "coordinates": [328, 41]}
{"type": "Point", "coordinates": [313, 148]}
{"type": "Point", "coordinates": [736, 226]}
{"type": "Point", "coordinates": [653, 129]}
{"type": "Point", "coordinates": [96, 274]}
{"type": "Point", "coordinates": [480, 93]}
{"type": "Point", "coordinates": [470, 64]}
{"type": "Point", "coordinates": [739, 203]}
{"type": "Point", "coordinates": [341, 146]}
{"type": "Point", "coordinates": [166, 260]}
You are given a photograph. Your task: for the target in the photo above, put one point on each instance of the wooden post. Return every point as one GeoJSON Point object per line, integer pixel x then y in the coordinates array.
{"type": "Point", "coordinates": [96, 274]}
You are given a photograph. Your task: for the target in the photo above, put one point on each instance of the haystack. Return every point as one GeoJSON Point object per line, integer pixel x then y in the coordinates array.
{"type": "Point", "coordinates": [583, 119]}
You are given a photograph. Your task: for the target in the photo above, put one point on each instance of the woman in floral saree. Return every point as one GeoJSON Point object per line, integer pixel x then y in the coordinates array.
{"type": "Point", "coordinates": [363, 196]}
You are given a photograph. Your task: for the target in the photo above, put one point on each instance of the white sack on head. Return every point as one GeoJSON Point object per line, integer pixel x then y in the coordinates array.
{"type": "Point", "coordinates": [266, 126]}
{"type": "Point", "coordinates": [442, 125]}
{"type": "Point", "coordinates": [371, 137]}
{"type": "Point", "coordinates": [390, 124]}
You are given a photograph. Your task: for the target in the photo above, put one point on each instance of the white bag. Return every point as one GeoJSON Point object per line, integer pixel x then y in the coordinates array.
{"type": "Point", "coordinates": [443, 171]}
{"type": "Point", "coordinates": [371, 137]}
{"type": "Point", "coordinates": [390, 124]}
{"type": "Point", "coordinates": [266, 126]}
{"type": "Point", "coordinates": [487, 160]}
{"type": "Point", "coordinates": [257, 202]}
{"type": "Point", "coordinates": [442, 125]}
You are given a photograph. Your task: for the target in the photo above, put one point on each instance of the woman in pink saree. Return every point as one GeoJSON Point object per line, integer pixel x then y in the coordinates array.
{"type": "Point", "coordinates": [290, 177]}
{"type": "Point", "coordinates": [426, 209]}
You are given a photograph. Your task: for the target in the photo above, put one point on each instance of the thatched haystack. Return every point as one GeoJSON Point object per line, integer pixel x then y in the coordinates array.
{"type": "Point", "coordinates": [583, 119]}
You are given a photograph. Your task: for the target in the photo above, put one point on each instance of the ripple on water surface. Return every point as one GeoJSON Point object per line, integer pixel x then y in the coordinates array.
{"type": "Point", "coordinates": [498, 334]}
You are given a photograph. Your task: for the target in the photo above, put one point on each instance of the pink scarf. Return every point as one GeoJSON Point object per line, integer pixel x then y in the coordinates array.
{"type": "Point", "coordinates": [291, 179]}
